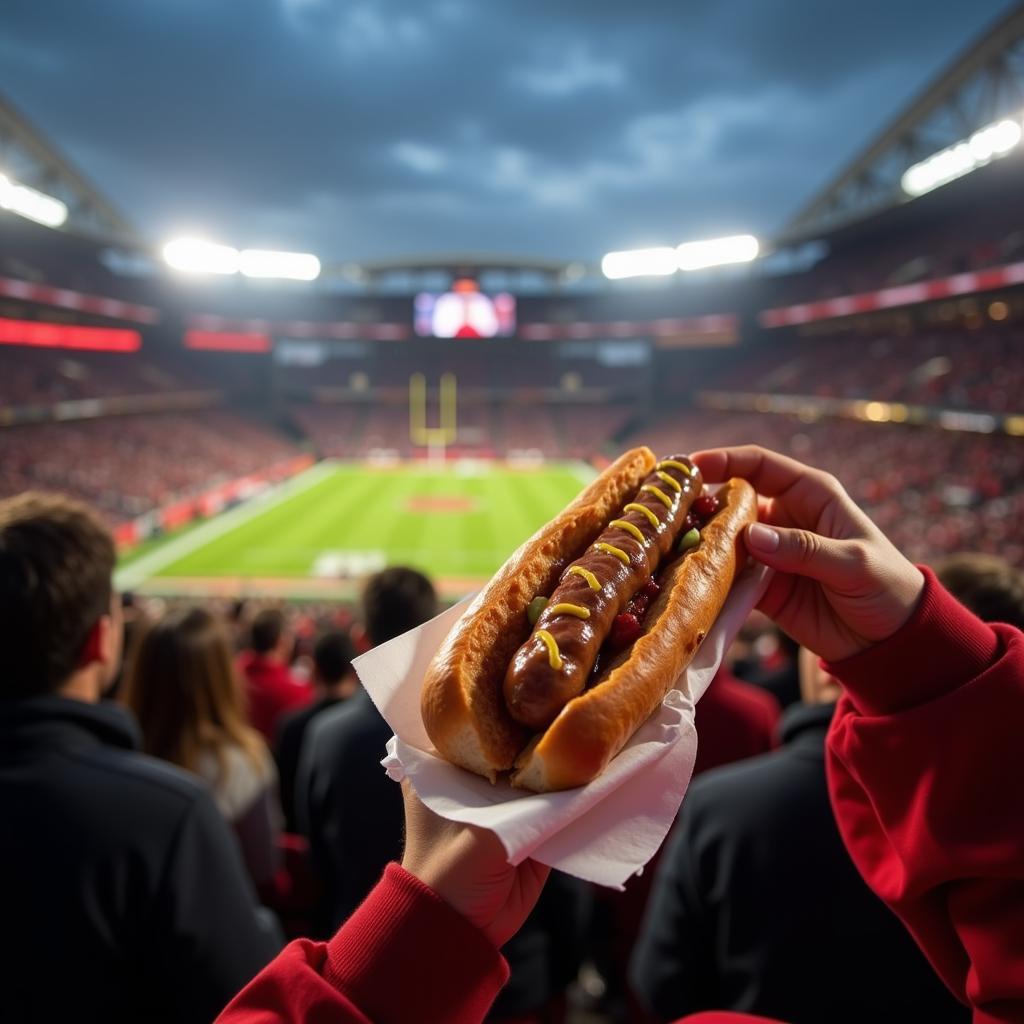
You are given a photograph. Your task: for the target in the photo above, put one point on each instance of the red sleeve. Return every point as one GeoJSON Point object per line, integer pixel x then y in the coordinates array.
{"type": "Point", "coordinates": [925, 761]}
{"type": "Point", "coordinates": [403, 955]}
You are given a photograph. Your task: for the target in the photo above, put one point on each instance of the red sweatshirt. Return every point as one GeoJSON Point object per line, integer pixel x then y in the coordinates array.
{"type": "Point", "coordinates": [924, 761]}
{"type": "Point", "coordinates": [271, 691]}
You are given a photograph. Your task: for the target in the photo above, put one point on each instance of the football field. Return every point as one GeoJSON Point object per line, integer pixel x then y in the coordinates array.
{"type": "Point", "coordinates": [318, 534]}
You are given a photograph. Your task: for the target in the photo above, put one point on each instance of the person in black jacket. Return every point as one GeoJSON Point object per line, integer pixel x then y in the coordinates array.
{"type": "Point", "coordinates": [334, 681]}
{"type": "Point", "coordinates": [350, 811]}
{"type": "Point", "coordinates": [757, 907]}
{"type": "Point", "coordinates": [123, 894]}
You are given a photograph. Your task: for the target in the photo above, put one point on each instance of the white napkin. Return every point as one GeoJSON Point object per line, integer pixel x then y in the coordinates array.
{"type": "Point", "coordinates": [603, 832]}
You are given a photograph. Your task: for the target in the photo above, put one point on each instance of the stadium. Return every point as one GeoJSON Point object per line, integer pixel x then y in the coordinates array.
{"type": "Point", "coordinates": [260, 430]}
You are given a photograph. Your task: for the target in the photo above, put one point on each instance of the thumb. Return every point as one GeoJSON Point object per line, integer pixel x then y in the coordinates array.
{"type": "Point", "coordinates": [800, 552]}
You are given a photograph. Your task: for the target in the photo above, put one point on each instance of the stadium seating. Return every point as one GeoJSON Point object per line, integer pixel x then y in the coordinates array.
{"type": "Point", "coordinates": [932, 491]}
{"type": "Point", "coordinates": [980, 370]}
{"type": "Point", "coordinates": [127, 466]}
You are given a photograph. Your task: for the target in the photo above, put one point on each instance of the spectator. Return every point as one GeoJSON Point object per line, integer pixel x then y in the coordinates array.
{"type": "Point", "coordinates": [986, 584]}
{"type": "Point", "coordinates": [114, 866]}
{"type": "Point", "coordinates": [184, 691]}
{"type": "Point", "coordinates": [270, 687]}
{"type": "Point", "coordinates": [333, 681]}
{"type": "Point", "coordinates": [345, 804]}
{"type": "Point", "coordinates": [757, 906]}
{"type": "Point", "coordinates": [734, 720]}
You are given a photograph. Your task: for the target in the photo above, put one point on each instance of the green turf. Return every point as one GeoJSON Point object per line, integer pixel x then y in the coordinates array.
{"type": "Point", "coordinates": [357, 516]}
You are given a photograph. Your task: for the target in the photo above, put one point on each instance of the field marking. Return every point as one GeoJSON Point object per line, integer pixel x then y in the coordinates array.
{"type": "Point", "coordinates": [174, 550]}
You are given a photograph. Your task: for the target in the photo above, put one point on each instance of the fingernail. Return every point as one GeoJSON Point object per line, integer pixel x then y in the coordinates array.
{"type": "Point", "coordinates": [762, 537]}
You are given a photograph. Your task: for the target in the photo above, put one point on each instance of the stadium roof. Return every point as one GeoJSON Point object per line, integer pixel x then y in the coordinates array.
{"type": "Point", "coordinates": [984, 84]}
{"type": "Point", "coordinates": [29, 158]}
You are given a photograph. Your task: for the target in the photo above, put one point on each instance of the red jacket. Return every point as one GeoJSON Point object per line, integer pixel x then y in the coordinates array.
{"type": "Point", "coordinates": [924, 770]}
{"type": "Point", "coordinates": [271, 691]}
{"type": "Point", "coordinates": [734, 720]}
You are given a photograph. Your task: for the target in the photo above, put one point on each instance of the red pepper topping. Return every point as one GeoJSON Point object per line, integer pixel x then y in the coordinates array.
{"type": "Point", "coordinates": [705, 507]}
{"type": "Point", "coordinates": [625, 630]}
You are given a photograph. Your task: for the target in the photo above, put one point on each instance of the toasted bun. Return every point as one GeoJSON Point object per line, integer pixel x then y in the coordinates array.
{"type": "Point", "coordinates": [594, 727]}
{"type": "Point", "coordinates": [462, 702]}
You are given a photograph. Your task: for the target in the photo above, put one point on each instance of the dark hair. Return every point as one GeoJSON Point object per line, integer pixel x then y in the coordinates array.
{"type": "Point", "coordinates": [182, 686]}
{"type": "Point", "coordinates": [266, 630]}
{"type": "Point", "coordinates": [56, 561]}
{"type": "Point", "coordinates": [394, 601]}
{"type": "Point", "coordinates": [333, 656]}
{"type": "Point", "coordinates": [986, 584]}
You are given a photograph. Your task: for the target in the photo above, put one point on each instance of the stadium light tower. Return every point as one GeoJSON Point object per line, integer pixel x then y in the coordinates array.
{"type": "Point", "coordinates": [194, 255]}
{"type": "Point", "coordinates": [717, 252]}
{"type": "Point", "coordinates": [665, 261]}
{"type": "Point", "coordinates": [32, 204]}
{"type": "Point", "coordinates": [659, 262]}
{"type": "Point", "coordinates": [987, 144]}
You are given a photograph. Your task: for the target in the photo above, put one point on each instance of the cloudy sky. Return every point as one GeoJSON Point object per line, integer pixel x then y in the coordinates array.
{"type": "Point", "coordinates": [363, 129]}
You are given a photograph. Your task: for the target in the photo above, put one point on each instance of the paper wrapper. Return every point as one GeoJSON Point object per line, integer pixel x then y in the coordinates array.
{"type": "Point", "coordinates": [603, 832]}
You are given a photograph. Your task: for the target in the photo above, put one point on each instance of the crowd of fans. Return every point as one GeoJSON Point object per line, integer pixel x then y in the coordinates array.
{"type": "Point", "coordinates": [932, 491]}
{"type": "Point", "coordinates": [48, 376]}
{"type": "Point", "coordinates": [980, 370]}
{"type": "Point", "coordinates": [491, 428]}
{"type": "Point", "coordinates": [131, 465]}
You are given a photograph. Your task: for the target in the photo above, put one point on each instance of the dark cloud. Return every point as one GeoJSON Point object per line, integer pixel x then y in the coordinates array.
{"type": "Point", "coordinates": [375, 127]}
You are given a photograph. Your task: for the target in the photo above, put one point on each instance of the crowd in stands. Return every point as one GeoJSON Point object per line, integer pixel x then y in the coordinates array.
{"type": "Point", "coordinates": [127, 466]}
{"type": "Point", "coordinates": [493, 428]}
{"type": "Point", "coordinates": [932, 491]}
{"type": "Point", "coordinates": [980, 370]}
{"type": "Point", "coordinates": [951, 241]}
{"type": "Point", "coordinates": [48, 376]}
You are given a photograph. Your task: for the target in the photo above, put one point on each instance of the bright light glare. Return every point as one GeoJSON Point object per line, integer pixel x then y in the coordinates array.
{"type": "Point", "coordinates": [298, 266]}
{"type": "Point", "coordinates": [658, 262]}
{"type": "Point", "coordinates": [716, 252]}
{"type": "Point", "coordinates": [984, 146]}
{"type": "Point", "coordinates": [27, 202]}
{"type": "Point", "coordinates": [198, 257]}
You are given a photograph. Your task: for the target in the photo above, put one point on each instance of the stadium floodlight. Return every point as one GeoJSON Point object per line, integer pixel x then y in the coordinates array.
{"type": "Point", "coordinates": [296, 266]}
{"type": "Point", "coordinates": [33, 205]}
{"type": "Point", "coordinates": [716, 252]}
{"type": "Point", "coordinates": [196, 256]}
{"type": "Point", "coordinates": [985, 145]}
{"type": "Point", "coordinates": [659, 262]}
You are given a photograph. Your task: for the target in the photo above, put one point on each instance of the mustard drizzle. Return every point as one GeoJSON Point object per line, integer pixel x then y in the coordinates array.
{"type": "Point", "coordinates": [671, 481]}
{"type": "Point", "coordinates": [578, 570]}
{"type": "Point", "coordinates": [554, 656]}
{"type": "Point", "coordinates": [621, 524]}
{"type": "Point", "coordinates": [676, 464]}
{"type": "Point", "coordinates": [564, 608]}
{"type": "Point", "coordinates": [636, 507]}
{"type": "Point", "coordinates": [611, 549]}
{"type": "Point", "coordinates": [659, 494]}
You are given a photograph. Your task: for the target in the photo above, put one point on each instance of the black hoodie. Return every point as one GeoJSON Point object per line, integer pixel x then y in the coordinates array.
{"type": "Point", "coordinates": [123, 896]}
{"type": "Point", "coordinates": [757, 906]}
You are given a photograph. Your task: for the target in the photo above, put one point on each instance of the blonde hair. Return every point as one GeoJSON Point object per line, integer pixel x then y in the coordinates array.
{"type": "Point", "coordinates": [183, 688]}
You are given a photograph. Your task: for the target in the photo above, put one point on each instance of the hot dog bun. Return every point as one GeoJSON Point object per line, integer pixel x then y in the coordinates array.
{"type": "Point", "coordinates": [595, 726]}
{"type": "Point", "coordinates": [462, 702]}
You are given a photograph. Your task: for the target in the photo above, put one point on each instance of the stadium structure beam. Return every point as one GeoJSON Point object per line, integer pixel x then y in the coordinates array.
{"type": "Point", "coordinates": [982, 85]}
{"type": "Point", "coordinates": [31, 159]}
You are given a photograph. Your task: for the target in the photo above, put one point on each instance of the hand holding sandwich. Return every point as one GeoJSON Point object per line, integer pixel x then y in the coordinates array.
{"type": "Point", "coordinates": [840, 584]}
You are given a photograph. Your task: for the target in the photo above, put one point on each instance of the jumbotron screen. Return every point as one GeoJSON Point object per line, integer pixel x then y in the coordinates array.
{"type": "Point", "coordinates": [465, 312]}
